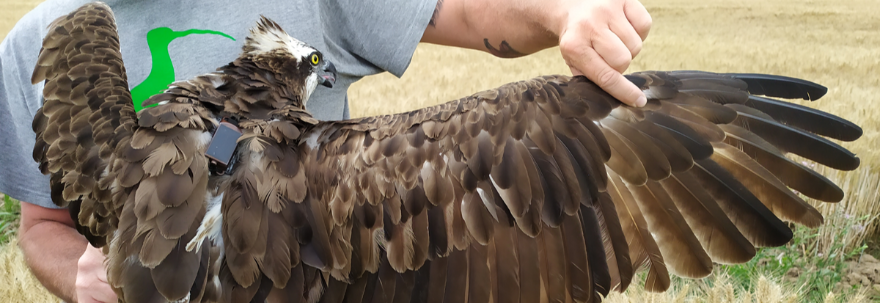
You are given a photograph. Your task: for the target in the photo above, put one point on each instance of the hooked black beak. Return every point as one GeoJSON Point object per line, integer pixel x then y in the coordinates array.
{"type": "Point", "coordinates": [327, 74]}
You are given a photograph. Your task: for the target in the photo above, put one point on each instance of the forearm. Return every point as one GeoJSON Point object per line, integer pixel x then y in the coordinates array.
{"type": "Point", "coordinates": [503, 28]}
{"type": "Point", "coordinates": [51, 250]}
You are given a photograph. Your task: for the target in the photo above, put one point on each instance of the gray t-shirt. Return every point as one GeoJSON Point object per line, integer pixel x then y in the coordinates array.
{"type": "Point", "coordinates": [166, 40]}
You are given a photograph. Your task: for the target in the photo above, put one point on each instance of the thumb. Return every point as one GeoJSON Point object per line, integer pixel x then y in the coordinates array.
{"type": "Point", "coordinates": [639, 100]}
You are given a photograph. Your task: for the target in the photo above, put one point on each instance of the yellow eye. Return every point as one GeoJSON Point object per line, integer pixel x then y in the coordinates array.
{"type": "Point", "coordinates": [315, 59]}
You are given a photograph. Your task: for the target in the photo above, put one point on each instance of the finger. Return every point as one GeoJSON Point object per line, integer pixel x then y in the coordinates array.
{"type": "Point", "coordinates": [639, 17]}
{"type": "Point", "coordinates": [628, 35]}
{"type": "Point", "coordinates": [94, 290]}
{"type": "Point", "coordinates": [612, 50]}
{"type": "Point", "coordinates": [574, 70]}
{"type": "Point", "coordinates": [594, 67]}
{"type": "Point", "coordinates": [103, 293]}
{"type": "Point", "coordinates": [102, 276]}
{"type": "Point", "coordinates": [86, 299]}
{"type": "Point", "coordinates": [89, 296]}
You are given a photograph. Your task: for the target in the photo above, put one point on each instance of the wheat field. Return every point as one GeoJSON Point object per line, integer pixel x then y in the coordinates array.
{"type": "Point", "coordinates": [834, 43]}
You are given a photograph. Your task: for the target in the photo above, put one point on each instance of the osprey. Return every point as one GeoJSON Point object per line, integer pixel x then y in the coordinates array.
{"type": "Point", "coordinates": [545, 190]}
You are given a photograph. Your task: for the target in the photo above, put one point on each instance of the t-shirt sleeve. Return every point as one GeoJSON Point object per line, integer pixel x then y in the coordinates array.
{"type": "Point", "coordinates": [375, 35]}
{"type": "Point", "coordinates": [20, 176]}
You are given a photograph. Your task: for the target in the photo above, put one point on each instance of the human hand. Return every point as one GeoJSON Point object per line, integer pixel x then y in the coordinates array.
{"type": "Point", "coordinates": [91, 278]}
{"type": "Point", "coordinates": [599, 40]}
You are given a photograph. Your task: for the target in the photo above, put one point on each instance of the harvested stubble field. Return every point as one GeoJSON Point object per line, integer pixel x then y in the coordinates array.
{"type": "Point", "coordinates": [834, 43]}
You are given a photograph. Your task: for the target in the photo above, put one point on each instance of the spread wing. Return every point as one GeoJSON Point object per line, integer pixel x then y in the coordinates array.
{"type": "Point", "coordinates": [138, 185]}
{"type": "Point", "coordinates": [546, 189]}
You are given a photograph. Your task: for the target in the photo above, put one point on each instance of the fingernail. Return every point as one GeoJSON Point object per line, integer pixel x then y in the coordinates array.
{"type": "Point", "coordinates": [641, 101]}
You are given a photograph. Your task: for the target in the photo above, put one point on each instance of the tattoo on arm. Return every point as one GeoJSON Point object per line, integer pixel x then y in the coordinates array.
{"type": "Point", "coordinates": [433, 21]}
{"type": "Point", "coordinates": [504, 51]}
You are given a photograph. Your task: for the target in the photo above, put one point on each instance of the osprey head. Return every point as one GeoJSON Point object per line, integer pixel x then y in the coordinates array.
{"type": "Point", "coordinates": [293, 61]}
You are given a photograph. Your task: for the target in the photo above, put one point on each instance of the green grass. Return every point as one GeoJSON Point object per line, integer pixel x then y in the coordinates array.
{"type": "Point", "coordinates": [10, 213]}
{"type": "Point", "coordinates": [800, 263]}
{"type": "Point", "coordinates": [807, 269]}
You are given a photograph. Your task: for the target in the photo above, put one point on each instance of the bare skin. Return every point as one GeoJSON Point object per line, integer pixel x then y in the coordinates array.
{"type": "Point", "coordinates": [597, 39]}
{"type": "Point", "coordinates": [74, 276]}
{"type": "Point", "coordinates": [91, 278]}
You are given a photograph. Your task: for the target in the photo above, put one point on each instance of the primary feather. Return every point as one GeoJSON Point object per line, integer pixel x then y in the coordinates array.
{"type": "Point", "coordinates": [541, 190]}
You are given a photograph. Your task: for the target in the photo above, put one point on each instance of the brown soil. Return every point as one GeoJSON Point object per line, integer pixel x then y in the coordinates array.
{"type": "Point", "coordinates": [864, 272]}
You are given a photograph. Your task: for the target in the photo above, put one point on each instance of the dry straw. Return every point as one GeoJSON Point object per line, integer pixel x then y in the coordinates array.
{"type": "Point", "coordinates": [855, 218]}
{"type": "Point", "coordinates": [722, 290]}
{"type": "Point", "coordinates": [17, 284]}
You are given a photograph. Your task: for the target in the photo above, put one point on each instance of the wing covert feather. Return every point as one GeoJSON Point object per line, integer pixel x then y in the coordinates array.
{"type": "Point", "coordinates": [544, 190]}
{"type": "Point", "coordinates": [493, 155]}
{"type": "Point", "coordinates": [135, 182]}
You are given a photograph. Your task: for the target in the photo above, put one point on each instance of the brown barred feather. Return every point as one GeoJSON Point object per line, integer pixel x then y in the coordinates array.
{"type": "Point", "coordinates": [543, 190]}
{"type": "Point", "coordinates": [793, 174]}
{"type": "Point", "coordinates": [504, 262]}
{"type": "Point", "coordinates": [529, 268]}
{"type": "Point", "coordinates": [617, 255]}
{"type": "Point", "coordinates": [751, 217]}
{"type": "Point", "coordinates": [479, 281]}
{"type": "Point", "coordinates": [718, 236]}
{"type": "Point", "coordinates": [776, 196]}
{"type": "Point", "coordinates": [677, 155]}
{"type": "Point", "coordinates": [596, 255]}
{"type": "Point", "coordinates": [642, 246]}
{"type": "Point", "coordinates": [681, 251]}
{"type": "Point", "coordinates": [624, 160]}
{"type": "Point", "coordinates": [552, 264]}
{"type": "Point", "coordinates": [652, 158]}
{"type": "Point", "coordinates": [578, 274]}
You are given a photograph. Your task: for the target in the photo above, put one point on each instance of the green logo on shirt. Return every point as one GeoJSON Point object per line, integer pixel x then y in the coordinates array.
{"type": "Point", "coordinates": [162, 71]}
